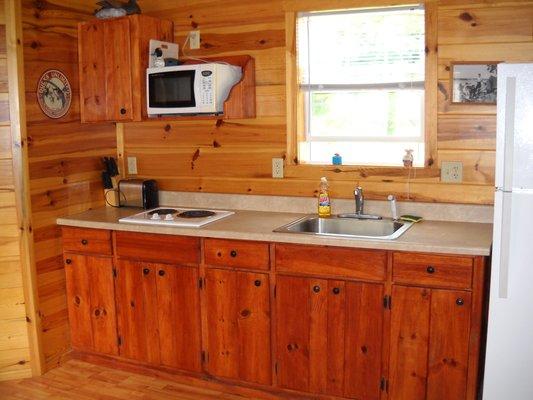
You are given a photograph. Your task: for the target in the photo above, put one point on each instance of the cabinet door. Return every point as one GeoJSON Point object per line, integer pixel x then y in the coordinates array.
{"type": "Point", "coordinates": [117, 55]}
{"type": "Point", "coordinates": [92, 72]}
{"type": "Point", "coordinates": [91, 304]}
{"type": "Point", "coordinates": [137, 311]}
{"type": "Point", "coordinates": [178, 316]}
{"type": "Point", "coordinates": [429, 343]}
{"type": "Point", "coordinates": [329, 336]}
{"type": "Point", "coordinates": [238, 325]}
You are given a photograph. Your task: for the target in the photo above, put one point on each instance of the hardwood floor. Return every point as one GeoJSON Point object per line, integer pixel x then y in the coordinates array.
{"type": "Point", "coordinates": [79, 380]}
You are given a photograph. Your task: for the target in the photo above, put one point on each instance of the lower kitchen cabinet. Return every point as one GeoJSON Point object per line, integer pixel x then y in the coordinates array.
{"type": "Point", "coordinates": [159, 314]}
{"type": "Point", "coordinates": [91, 303]}
{"type": "Point", "coordinates": [429, 352]}
{"type": "Point", "coordinates": [330, 336]}
{"type": "Point", "coordinates": [237, 306]}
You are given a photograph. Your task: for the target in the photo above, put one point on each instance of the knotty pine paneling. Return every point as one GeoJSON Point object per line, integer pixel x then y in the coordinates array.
{"type": "Point", "coordinates": [64, 156]}
{"type": "Point", "coordinates": [234, 156]}
{"type": "Point", "coordinates": [14, 344]}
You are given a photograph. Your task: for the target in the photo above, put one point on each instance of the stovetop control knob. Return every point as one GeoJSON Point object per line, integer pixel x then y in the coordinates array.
{"type": "Point", "coordinates": [155, 216]}
{"type": "Point", "coordinates": [169, 217]}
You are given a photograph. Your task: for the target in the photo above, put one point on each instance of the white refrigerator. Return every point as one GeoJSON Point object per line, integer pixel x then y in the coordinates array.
{"type": "Point", "coordinates": [509, 356]}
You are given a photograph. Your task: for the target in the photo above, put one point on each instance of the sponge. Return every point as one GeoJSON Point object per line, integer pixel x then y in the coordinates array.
{"type": "Point", "coordinates": [411, 218]}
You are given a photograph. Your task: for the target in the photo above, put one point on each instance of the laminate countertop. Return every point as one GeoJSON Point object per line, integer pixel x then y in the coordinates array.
{"type": "Point", "coordinates": [426, 236]}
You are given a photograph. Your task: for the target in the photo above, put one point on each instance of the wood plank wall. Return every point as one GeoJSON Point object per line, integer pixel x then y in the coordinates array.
{"type": "Point", "coordinates": [14, 344]}
{"type": "Point", "coordinates": [64, 156]}
{"type": "Point", "coordinates": [235, 156]}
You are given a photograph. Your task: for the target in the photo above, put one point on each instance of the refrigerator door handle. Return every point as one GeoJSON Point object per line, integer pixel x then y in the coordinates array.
{"type": "Point", "coordinates": [505, 242]}
{"type": "Point", "coordinates": [508, 151]}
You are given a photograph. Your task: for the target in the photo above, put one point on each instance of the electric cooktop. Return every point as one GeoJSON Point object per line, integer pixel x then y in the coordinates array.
{"type": "Point", "coordinates": [175, 216]}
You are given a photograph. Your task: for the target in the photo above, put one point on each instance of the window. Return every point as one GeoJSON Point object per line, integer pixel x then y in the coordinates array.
{"type": "Point", "coordinates": [361, 78]}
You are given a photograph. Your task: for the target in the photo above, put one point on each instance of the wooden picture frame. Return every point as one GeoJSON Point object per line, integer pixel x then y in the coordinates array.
{"type": "Point", "coordinates": [473, 82]}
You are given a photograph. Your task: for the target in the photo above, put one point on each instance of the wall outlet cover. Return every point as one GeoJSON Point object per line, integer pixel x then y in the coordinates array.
{"type": "Point", "coordinates": [277, 168]}
{"type": "Point", "coordinates": [132, 165]}
{"type": "Point", "coordinates": [451, 171]}
{"type": "Point", "coordinates": [194, 40]}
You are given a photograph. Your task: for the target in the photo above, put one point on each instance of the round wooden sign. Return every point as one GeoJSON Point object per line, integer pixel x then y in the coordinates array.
{"type": "Point", "coordinates": [54, 93]}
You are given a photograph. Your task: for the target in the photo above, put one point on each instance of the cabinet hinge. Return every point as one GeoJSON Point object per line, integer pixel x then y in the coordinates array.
{"type": "Point", "coordinates": [387, 302]}
{"type": "Point", "coordinates": [119, 340]}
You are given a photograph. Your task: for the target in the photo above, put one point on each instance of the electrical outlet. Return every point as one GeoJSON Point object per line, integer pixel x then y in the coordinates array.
{"type": "Point", "coordinates": [132, 165]}
{"type": "Point", "coordinates": [277, 168]}
{"type": "Point", "coordinates": [451, 171]}
{"type": "Point", "coordinates": [194, 40]}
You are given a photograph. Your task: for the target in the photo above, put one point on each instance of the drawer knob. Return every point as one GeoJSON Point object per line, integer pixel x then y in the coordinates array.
{"type": "Point", "coordinates": [97, 312]}
{"type": "Point", "coordinates": [430, 269]}
{"type": "Point", "coordinates": [68, 261]}
{"type": "Point", "coordinates": [123, 111]}
{"type": "Point", "coordinates": [84, 242]}
{"type": "Point", "coordinates": [146, 271]}
{"type": "Point", "coordinates": [316, 288]}
{"type": "Point", "coordinates": [233, 253]}
{"type": "Point", "coordinates": [336, 290]}
{"type": "Point", "coordinates": [161, 272]}
{"type": "Point", "coordinates": [257, 282]}
{"type": "Point", "coordinates": [459, 301]}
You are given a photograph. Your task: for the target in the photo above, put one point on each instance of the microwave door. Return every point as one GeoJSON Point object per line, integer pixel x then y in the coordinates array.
{"type": "Point", "coordinates": [172, 89]}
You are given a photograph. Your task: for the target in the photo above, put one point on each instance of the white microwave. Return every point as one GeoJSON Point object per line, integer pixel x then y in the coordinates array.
{"type": "Point", "coordinates": [190, 89]}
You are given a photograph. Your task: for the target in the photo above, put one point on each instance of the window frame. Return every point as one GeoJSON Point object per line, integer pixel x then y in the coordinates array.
{"type": "Point", "coordinates": [296, 98]}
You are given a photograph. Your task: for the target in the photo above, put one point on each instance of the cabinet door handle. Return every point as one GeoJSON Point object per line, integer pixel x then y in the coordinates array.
{"type": "Point", "coordinates": [430, 269]}
{"type": "Point", "coordinates": [316, 288]}
{"type": "Point", "coordinates": [84, 242]}
{"type": "Point", "coordinates": [161, 272]}
{"type": "Point", "coordinates": [146, 271]}
{"type": "Point", "coordinates": [68, 261]}
{"type": "Point", "coordinates": [459, 301]}
{"type": "Point", "coordinates": [336, 290]}
{"type": "Point", "coordinates": [257, 282]}
{"type": "Point", "coordinates": [233, 253]}
{"type": "Point", "coordinates": [123, 111]}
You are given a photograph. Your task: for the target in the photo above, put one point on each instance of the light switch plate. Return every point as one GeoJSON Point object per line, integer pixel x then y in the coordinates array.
{"type": "Point", "coordinates": [451, 171]}
{"type": "Point", "coordinates": [132, 165]}
{"type": "Point", "coordinates": [194, 40]}
{"type": "Point", "coordinates": [277, 168]}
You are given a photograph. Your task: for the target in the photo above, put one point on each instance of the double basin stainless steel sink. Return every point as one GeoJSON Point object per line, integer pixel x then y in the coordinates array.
{"type": "Point", "coordinates": [384, 229]}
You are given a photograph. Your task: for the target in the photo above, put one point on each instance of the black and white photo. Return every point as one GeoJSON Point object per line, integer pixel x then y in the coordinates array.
{"type": "Point", "coordinates": [474, 83]}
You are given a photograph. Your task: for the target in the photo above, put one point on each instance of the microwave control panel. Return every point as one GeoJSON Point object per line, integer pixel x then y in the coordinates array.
{"type": "Point", "coordinates": [206, 85]}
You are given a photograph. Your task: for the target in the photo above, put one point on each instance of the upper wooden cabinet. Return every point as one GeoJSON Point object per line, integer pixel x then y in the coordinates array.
{"type": "Point", "coordinates": [113, 57]}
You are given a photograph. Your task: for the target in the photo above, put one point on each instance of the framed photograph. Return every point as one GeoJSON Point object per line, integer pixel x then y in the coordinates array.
{"type": "Point", "coordinates": [474, 83]}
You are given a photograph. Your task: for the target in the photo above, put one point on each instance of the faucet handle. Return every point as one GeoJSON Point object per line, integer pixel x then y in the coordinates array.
{"type": "Point", "coordinates": [392, 200]}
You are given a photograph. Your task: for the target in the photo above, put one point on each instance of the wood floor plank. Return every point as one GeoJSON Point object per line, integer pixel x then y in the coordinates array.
{"type": "Point", "coordinates": [81, 380]}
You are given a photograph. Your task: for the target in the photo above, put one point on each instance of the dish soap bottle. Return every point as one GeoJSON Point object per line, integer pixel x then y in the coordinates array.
{"type": "Point", "coordinates": [324, 202]}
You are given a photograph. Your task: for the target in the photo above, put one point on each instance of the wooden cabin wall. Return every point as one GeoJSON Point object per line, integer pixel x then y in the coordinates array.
{"type": "Point", "coordinates": [64, 157]}
{"type": "Point", "coordinates": [235, 156]}
{"type": "Point", "coordinates": [14, 343]}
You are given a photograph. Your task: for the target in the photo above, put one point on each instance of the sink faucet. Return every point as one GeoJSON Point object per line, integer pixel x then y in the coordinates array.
{"type": "Point", "coordinates": [359, 207]}
{"type": "Point", "coordinates": [359, 200]}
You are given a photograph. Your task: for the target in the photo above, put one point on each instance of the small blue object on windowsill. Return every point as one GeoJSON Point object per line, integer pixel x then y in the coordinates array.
{"type": "Point", "coordinates": [336, 159]}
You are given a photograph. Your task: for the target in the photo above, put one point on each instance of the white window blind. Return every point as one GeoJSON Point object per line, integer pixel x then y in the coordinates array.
{"type": "Point", "coordinates": [362, 75]}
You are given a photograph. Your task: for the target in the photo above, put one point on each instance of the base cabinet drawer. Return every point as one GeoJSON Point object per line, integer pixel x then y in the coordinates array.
{"type": "Point", "coordinates": [90, 241]}
{"type": "Point", "coordinates": [432, 270]}
{"type": "Point", "coordinates": [237, 254]}
{"type": "Point", "coordinates": [158, 248]}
